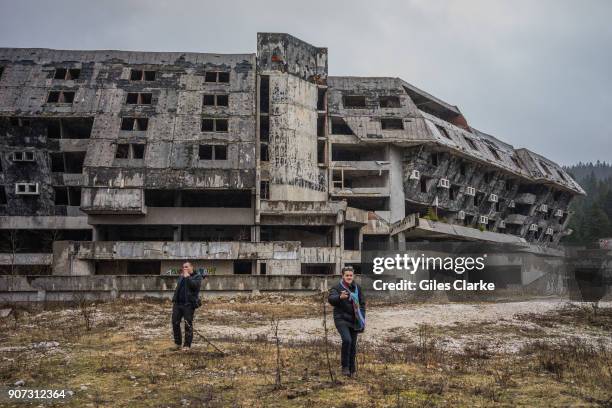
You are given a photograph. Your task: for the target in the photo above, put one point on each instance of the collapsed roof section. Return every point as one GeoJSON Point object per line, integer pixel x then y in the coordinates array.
{"type": "Point", "coordinates": [390, 110]}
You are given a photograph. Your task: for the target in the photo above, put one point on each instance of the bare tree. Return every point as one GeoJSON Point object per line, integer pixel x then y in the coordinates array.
{"type": "Point", "coordinates": [13, 245]}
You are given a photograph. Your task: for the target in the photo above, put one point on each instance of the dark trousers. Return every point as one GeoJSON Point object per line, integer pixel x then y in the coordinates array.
{"type": "Point", "coordinates": [349, 346]}
{"type": "Point", "coordinates": [182, 312]}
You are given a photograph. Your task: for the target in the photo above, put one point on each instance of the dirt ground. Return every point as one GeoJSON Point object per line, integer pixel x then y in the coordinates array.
{"type": "Point", "coordinates": [533, 352]}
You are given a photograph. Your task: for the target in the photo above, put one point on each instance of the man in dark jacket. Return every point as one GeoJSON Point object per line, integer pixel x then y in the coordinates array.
{"type": "Point", "coordinates": [185, 301]}
{"type": "Point", "coordinates": [349, 317]}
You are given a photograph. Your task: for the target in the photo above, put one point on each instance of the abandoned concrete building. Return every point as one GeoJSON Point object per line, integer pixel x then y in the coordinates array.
{"type": "Point", "coordinates": [127, 163]}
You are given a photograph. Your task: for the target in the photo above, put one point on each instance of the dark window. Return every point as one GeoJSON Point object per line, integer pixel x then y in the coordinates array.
{"type": "Point", "coordinates": [321, 126]}
{"type": "Point", "coordinates": [137, 98]}
{"type": "Point", "coordinates": [2, 196]}
{"type": "Point", "coordinates": [141, 75]}
{"type": "Point", "coordinates": [423, 183]}
{"type": "Point", "coordinates": [205, 152]}
{"type": "Point", "coordinates": [242, 267]}
{"type": "Point", "coordinates": [212, 152]}
{"type": "Point", "coordinates": [264, 128]}
{"type": "Point", "coordinates": [264, 94]}
{"type": "Point", "coordinates": [443, 132]}
{"type": "Point", "coordinates": [68, 97]}
{"type": "Point", "coordinates": [392, 124]}
{"type": "Point", "coordinates": [209, 100]}
{"type": "Point", "coordinates": [60, 73]}
{"type": "Point", "coordinates": [509, 185]}
{"type": "Point", "coordinates": [354, 101]}
{"type": "Point", "coordinates": [74, 196]}
{"type": "Point", "coordinates": [452, 192]}
{"type": "Point", "coordinates": [224, 77]}
{"type": "Point", "coordinates": [264, 153]}
{"type": "Point", "coordinates": [222, 100]}
{"type": "Point", "coordinates": [57, 162]}
{"type": "Point", "coordinates": [214, 125]}
{"type": "Point", "coordinates": [123, 151]}
{"type": "Point", "coordinates": [73, 73]}
{"type": "Point", "coordinates": [220, 152]}
{"type": "Point", "coordinates": [54, 130]}
{"type": "Point", "coordinates": [339, 127]}
{"type": "Point", "coordinates": [262, 268]}
{"type": "Point", "coordinates": [61, 196]}
{"type": "Point", "coordinates": [479, 198]}
{"type": "Point", "coordinates": [53, 97]}
{"type": "Point", "coordinates": [321, 98]}
{"type": "Point", "coordinates": [264, 190]}
{"type": "Point", "coordinates": [462, 169]}
{"type": "Point", "coordinates": [435, 159]}
{"type": "Point", "coordinates": [208, 125]}
{"type": "Point", "coordinates": [215, 76]}
{"type": "Point", "coordinates": [389, 101]}
{"type": "Point", "coordinates": [138, 151]}
{"type": "Point", "coordinates": [135, 124]}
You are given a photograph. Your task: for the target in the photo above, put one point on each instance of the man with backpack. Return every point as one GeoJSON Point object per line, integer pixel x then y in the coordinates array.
{"type": "Point", "coordinates": [185, 300]}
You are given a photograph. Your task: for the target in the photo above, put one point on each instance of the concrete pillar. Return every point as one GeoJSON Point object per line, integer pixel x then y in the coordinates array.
{"type": "Point", "coordinates": [177, 233]}
{"type": "Point", "coordinates": [337, 235]}
{"type": "Point", "coordinates": [255, 233]}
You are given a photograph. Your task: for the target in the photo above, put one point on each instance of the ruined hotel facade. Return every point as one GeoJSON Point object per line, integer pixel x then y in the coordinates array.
{"type": "Point", "coordinates": [126, 163]}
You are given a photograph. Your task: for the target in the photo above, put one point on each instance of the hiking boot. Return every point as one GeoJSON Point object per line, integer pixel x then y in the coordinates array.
{"type": "Point", "coordinates": [346, 372]}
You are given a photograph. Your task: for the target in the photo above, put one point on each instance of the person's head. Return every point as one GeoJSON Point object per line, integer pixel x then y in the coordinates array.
{"type": "Point", "coordinates": [348, 274]}
{"type": "Point", "coordinates": [188, 267]}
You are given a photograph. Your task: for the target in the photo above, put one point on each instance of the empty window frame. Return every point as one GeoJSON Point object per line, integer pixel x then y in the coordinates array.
{"type": "Point", "coordinates": [389, 101]}
{"type": "Point", "coordinates": [139, 98]}
{"type": "Point", "coordinates": [264, 128]}
{"type": "Point", "coordinates": [216, 100]}
{"type": "Point", "coordinates": [354, 101]}
{"type": "Point", "coordinates": [67, 73]}
{"type": "Point", "coordinates": [339, 126]}
{"type": "Point", "coordinates": [26, 188]}
{"type": "Point", "coordinates": [69, 128]}
{"type": "Point", "coordinates": [134, 124]}
{"type": "Point", "coordinates": [217, 76]}
{"type": "Point", "coordinates": [212, 152]}
{"type": "Point", "coordinates": [142, 75]}
{"type": "Point", "coordinates": [264, 152]}
{"type": "Point", "coordinates": [60, 97]}
{"type": "Point", "coordinates": [23, 156]}
{"type": "Point", "coordinates": [130, 151]}
{"type": "Point", "coordinates": [443, 132]}
{"type": "Point", "coordinates": [3, 200]}
{"type": "Point", "coordinates": [392, 124]}
{"type": "Point", "coordinates": [264, 190]}
{"type": "Point", "coordinates": [214, 125]}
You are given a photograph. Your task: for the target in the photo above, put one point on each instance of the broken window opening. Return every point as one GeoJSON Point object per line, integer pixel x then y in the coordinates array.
{"type": "Point", "coordinates": [243, 267]}
{"type": "Point", "coordinates": [123, 151]}
{"type": "Point", "coordinates": [214, 125]}
{"type": "Point", "coordinates": [216, 100]}
{"type": "Point", "coordinates": [73, 162]}
{"type": "Point", "coordinates": [2, 196]}
{"type": "Point", "coordinates": [392, 124]}
{"type": "Point", "coordinates": [435, 158]}
{"type": "Point", "coordinates": [134, 124]}
{"type": "Point", "coordinates": [264, 94]}
{"type": "Point", "coordinates": [60, 97]}
{"type": "Point", "coordinates": [69, 128]}
{"type": "Point", "coordinates": [142, 75]}
{"type": "Point", "coordinates": [340, 127]}
{"type": "Point", "coordinates": [139, 98]}
{"type": "Point", "coordinates": [354, 101]}
{"type": "Point", "coordinates": [60, 196]}
{"type": "Point", "coordinates": [321, 152]}
{"type": "Point", "coordinates": [138, 151]}
{"type": "Point", "coordinates": [389, 101]}
{"type": "Point", "coordinates": [212, 152]}
{"type": "Point", "coordinates": [217, 76]}
{"type": "Point", "coordinates": [57, 163]}
{"type": "Point", "coordinates": [264, 190]}
{"type": "Point", "coordinates": [423, 184]}
{"type": "Point", "coordinates": [494, 153]}
{"type": "Point", "coordinates": [67, 74]}
{"type": "Point", "coordinates": [321, 98]}
{"type": "Point", "coordinates": [321, 126]}
{"type": "Point", "coordinates": [264, 128]}
{"type": "Point", "coordinates": [264, 154]}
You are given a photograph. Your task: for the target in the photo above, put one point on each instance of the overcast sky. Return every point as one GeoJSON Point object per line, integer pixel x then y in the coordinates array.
{"type": "Point", "coordinates": [535, 73]}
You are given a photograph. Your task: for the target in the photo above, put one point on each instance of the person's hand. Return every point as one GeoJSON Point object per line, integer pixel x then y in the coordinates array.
{"type": "Point", "coordinates": [344, 295]}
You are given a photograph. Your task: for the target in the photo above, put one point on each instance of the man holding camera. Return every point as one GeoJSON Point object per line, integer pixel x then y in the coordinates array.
{"type": "Point", "coordinates": [185, 301]}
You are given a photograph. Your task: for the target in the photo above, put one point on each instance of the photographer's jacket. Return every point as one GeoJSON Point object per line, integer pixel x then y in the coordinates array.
{"type": "Point", "coordinates": [343, 308]}
{"type": "Point", "coordinates": [187, 290]}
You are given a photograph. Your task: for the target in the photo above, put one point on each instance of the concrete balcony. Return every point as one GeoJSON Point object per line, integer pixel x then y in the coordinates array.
{"type": "Point", "coordinates": [361, 192]}
{"type": "Point", "coordinates": [158, 250]}
{"type": "Point", "coordinates": [369, 165]}
{"type": "Point", "coordinates": [516, 219]}
{"type": "Point", "coordinates": [300, 207]}
{"type": "Point", "coordinates": [525, 198]}
{"type": "Point", "coordinates": [183, 216]}
{"type": "Point", "coordinates": [26, 259]}
{"type": "Point", "coordinates": [74, 145]}
{"type": "Point", "coordinates": [320, 255]}
{"type": "Point", "coordinates": [113, 201]}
